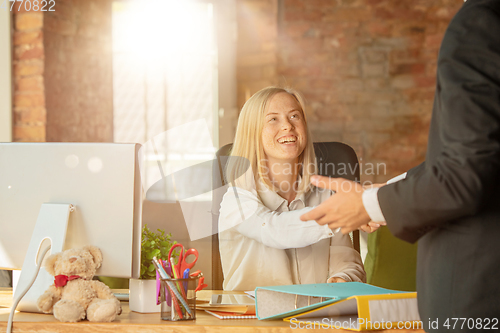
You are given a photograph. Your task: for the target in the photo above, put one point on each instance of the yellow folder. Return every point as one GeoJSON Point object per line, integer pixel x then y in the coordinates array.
{"type": "Point", "coordinates": [364, 312]}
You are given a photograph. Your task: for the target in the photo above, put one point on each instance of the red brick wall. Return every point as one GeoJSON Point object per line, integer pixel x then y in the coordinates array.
{"type": "Point", "coordinates": [29, 95]}
{"type": "Point", "coordinates": [366, 67]}
{"type": "Point", "coordinates": [63, 73]}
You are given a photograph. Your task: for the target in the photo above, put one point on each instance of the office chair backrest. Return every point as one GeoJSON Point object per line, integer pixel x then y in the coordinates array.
{"type": "Point", "coordinates": [335, 159]}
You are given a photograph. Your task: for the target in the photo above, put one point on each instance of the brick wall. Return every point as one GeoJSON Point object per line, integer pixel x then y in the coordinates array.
{"type": "Point", "coordinates": [63, 73]}
{"type": "Point", "coordinates": [366, 67]}
{"type": "Point", "coordinates": [29, 94]}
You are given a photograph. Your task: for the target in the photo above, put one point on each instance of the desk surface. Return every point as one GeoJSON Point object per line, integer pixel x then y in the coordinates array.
{"type": "Point", "coordinates": [134, 322]}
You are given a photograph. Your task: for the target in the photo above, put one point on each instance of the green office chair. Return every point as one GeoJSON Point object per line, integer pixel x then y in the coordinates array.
{"type": "Point", "coordinates": [391, 263]}
{"type": "Point", "coordinates": [335, 159]}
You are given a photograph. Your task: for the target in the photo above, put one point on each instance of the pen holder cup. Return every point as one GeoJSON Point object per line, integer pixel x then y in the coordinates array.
{"type": "Point", "coordinates": [178, 299]}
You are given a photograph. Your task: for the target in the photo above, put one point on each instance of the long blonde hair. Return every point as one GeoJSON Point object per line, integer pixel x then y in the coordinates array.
{"type": "Point", "coordinates": [248, 150]}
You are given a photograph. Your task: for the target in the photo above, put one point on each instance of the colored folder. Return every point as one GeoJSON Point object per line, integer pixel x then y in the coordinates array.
{"type": "Point", "coordinates": [366, 312]}
{"type": "Point", "coordinates": [279, 302]}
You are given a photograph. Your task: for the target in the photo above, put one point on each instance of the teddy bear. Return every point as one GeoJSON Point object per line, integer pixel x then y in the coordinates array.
{"type": "Point", "coordinates": [74, 296]}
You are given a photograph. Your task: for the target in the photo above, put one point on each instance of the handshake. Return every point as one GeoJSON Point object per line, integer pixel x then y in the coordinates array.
{"type": "Point", "coordinates": [345, 209]}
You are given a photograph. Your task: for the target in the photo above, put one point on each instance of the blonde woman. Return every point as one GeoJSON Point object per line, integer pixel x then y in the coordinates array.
{"type": "Point", "coordinates": [262, 240]}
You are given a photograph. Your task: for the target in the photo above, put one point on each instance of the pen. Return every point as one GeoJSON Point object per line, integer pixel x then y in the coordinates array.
{"type": "Point", "coordinates": [169, 272]}
{"type": "Point", "coordinates": [162, 275]}
{"type": "Point", "coordinates": [185, 276]}
{"type": "Point", "coordinates": [179, 285]}
{"type": "Point", "coordinates": [165, 276]}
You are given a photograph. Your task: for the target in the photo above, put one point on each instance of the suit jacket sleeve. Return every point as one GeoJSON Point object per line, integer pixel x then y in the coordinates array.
{"type": "Point", "coordinates": [416, 170]}
{"type": "Point", "coordinates": [462, 163]}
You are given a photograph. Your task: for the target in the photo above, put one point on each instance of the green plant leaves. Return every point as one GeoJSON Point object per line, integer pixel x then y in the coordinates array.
{"type": "Point", "coordinates": [154, 244]}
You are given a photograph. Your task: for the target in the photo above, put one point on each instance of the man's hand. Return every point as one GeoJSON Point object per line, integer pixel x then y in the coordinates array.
{"type": "Point", "coordinates": [344, 209]}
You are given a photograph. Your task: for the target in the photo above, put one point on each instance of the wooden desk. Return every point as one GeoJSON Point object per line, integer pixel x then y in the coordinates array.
{"type": "Point", "coordinates": [134, 322]}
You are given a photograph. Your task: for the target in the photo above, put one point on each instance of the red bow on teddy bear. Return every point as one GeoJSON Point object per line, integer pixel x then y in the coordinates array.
{"type": "Point", "coordinates": [62, 280]}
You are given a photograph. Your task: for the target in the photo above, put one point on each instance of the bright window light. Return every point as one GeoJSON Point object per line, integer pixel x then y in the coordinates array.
{"type": "Point", "coordinates": [164, 76]}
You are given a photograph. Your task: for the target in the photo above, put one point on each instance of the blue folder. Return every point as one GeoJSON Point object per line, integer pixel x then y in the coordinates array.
{"type": "Point", "coordinates": [277, 302]}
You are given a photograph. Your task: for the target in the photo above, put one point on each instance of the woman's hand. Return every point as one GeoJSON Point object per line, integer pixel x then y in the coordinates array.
{"type": "Point", "coordinates": [335, 280]}
{"type": "Point", "coordinates": [371, 226]}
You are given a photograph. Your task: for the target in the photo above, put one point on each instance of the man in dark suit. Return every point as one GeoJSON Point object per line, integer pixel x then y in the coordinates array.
{"type": "Point", "coordinates": [451, 202]}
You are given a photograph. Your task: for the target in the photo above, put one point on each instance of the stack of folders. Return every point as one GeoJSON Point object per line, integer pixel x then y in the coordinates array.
{"type": "Point", "coordinates": [351, 305]}
{"type": "Point", "coordinates": [230, 315]}
{"type": "Point", "coordinates": [228, 306]}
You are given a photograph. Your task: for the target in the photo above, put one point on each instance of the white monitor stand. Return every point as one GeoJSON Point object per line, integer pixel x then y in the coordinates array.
{"type": "Point", "coordinates": [49, 233]}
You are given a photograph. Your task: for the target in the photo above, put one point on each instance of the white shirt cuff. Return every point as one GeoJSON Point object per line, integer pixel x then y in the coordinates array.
{"type": "Point", "coordinates": [370, 200]}
{"type": "Point", "coordinates": [397, 178]}
{"type": "Point", "coordinates": [372, 206]}
{"type": "Point", "coordinates": [329, 231]}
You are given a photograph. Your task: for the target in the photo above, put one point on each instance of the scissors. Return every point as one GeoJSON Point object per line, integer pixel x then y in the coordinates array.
{"type": "Point", "coordinates": [182, 264]}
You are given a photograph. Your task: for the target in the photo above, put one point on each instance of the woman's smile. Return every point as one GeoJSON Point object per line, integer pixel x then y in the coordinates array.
{"type": "Point", "coordinates": [284, 133]}
{"type": "Point", "coordinates": [288, 140]}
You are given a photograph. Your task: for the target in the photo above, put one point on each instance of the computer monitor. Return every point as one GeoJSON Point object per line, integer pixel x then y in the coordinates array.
{"type": "Point", "coordinates": [102, 182]}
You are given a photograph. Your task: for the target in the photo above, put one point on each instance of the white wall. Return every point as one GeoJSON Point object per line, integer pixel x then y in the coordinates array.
{"type": "Point", "coordinates": [5, 97]}
{"type": "Point", "coordinates": [5, 77]}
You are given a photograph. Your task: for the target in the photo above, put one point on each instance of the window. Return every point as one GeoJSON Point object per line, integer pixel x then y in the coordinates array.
{"type": "Point", "coordinates": [164, 79]}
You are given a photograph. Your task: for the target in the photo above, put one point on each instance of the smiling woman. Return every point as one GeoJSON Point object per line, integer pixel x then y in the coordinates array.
{"type": "Point", "coordinates": [258, 130]}
{"type": "Point", "coordinates": [262, 240]}
{"type": "Point", "coordinates": [284, 139]}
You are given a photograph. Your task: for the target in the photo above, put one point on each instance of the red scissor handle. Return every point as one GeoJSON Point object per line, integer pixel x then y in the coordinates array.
{"type": "Point", "coordinates": [179, 261]}
{"type": "Point", "coordinates": [184, 264]}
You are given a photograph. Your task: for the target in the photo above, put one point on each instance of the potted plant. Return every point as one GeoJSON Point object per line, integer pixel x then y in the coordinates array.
{"type": "Point", "coordinates": [143, 290]}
